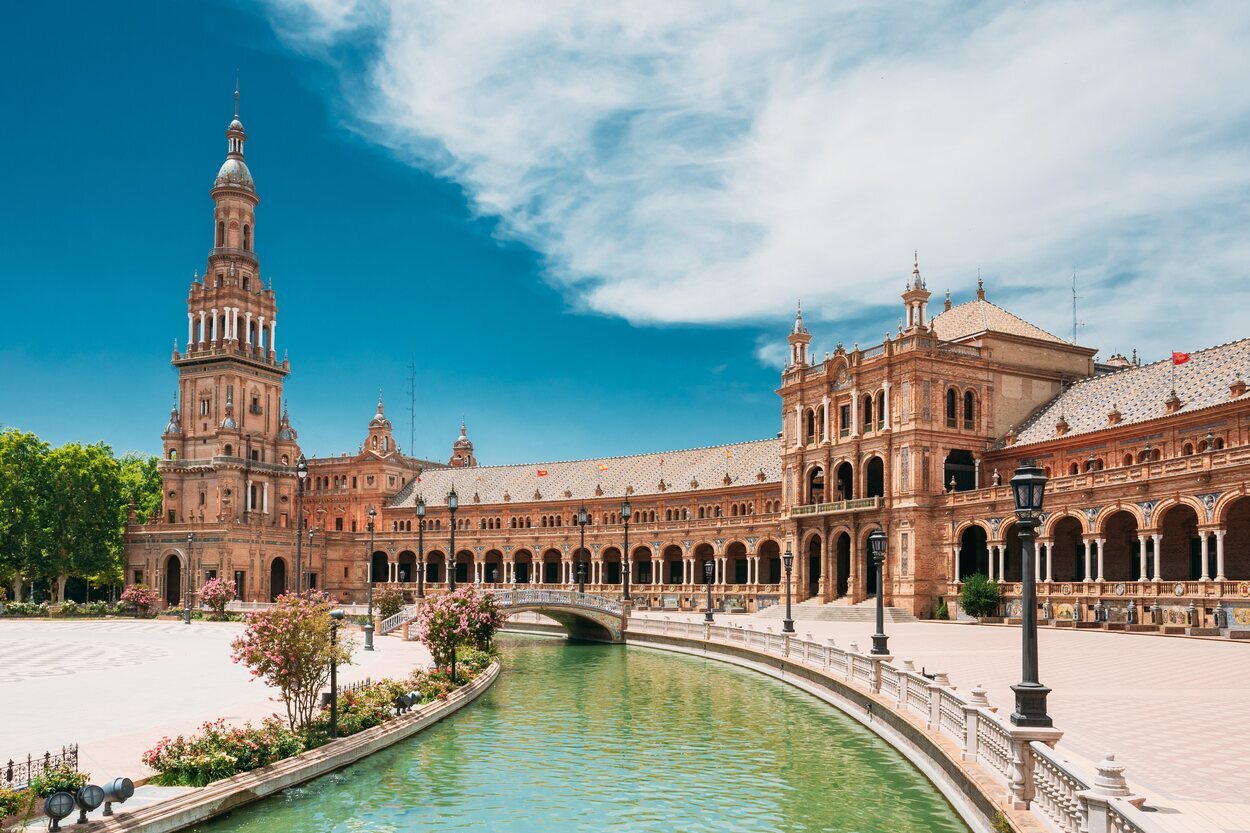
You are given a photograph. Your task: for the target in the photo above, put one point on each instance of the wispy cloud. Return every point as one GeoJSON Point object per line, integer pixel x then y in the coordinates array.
{"type": "Point", "coordinates": [680, 162]}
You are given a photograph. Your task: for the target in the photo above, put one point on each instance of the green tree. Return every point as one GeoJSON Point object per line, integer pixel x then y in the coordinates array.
{"type": "Point", "coordinates": [979, 596]}
{"type": "Point", "coordinates": [25, 526]}
{"type": "Point", "coordinates": [87, 507]}
{"type": "Point", "coordinates": [141, 484]}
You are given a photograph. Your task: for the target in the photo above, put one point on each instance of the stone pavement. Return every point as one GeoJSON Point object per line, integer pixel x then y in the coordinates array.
{"type": "Point", "coordinates": [115, 687]}
{"type": "Point", "coordinates": [1174, 710]}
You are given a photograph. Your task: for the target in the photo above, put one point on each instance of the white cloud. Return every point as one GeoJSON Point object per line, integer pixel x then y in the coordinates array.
{"type": "Point", "coordinates": [678, 164]}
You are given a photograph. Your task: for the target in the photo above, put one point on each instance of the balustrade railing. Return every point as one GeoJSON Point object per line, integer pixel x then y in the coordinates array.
{"type": "Point", "coordinates": [1065, 799]}
{"type": "Point", "coordinates": [397, 620]}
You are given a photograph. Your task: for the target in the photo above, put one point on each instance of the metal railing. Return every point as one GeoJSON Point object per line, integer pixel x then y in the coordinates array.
{"type": "Point", "coordinates": [509, 597]}
{"type": "Point", "coordinates": [17, 774]}
{"type": "Point", "coordinates": [397, 620]}
{"type": "Point", "coordinates": [856, 505]}
{"type": "Point", "coordinates": [1066, 799]}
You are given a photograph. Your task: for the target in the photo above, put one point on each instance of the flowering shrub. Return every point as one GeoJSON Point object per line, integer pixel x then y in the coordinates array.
{"type": "Point", "coordinates": [217, 593]}
{"type": "Point", "coordinates": [56, 779]}
{"type": "Point", "coordinates": [13, 802]}
{"type": "Point", "coordinates": [144, 598]}
{"type": "Point", "coordinates": [464, 616]}
{"type": "Point", "coordinates": [389, 599]}
{"type": "Point", "coordinates": [219, 751]}
{"type": "Point", "coordinates": [288, 646]}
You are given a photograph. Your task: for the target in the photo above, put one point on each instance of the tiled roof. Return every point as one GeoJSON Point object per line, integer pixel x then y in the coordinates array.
{"type": "Point", "coordinates": [743, 462]}
{"type": "Point", "coordinates": [1140, 392]}
{"type": "Point", "coordinates": [978, 316]}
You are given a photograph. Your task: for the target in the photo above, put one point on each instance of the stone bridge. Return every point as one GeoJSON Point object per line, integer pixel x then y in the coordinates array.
{"type": "Point", "coordinates": [583, 615]}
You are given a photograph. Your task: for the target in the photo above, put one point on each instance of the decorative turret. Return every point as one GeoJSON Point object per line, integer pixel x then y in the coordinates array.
{"type": "Point", "coordinates": [462, 451]}
{"type": "Point", "coordinates": [285, 431]}
{"type": "Point", "coordinates": [175, 419]}
{"type": "Point", "coordinates": [916, 299]}
{"type": "Point", "coordinates": [799, 339]}
{"type": "Point", "coordinates": [381, 441]}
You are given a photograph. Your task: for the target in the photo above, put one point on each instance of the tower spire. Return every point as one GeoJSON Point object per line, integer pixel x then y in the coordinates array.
{"type": "Point", "coordinates": [236, 93]}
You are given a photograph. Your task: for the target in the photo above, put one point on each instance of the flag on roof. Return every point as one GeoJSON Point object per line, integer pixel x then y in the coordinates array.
{"type": "Point", "coordinates": [729, 453]}
{"type": "Point", "coordinates": [1179, 358]}
{"type": "Point", "coordinates": [603, 467]}
{"type": "Point", "coordinates": [542, 472]}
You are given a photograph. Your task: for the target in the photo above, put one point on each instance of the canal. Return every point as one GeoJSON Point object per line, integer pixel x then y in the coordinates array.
{"type": "Point", "coordinates": [576, 737]}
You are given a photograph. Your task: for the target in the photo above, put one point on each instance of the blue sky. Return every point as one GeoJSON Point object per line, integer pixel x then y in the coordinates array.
{"type": "Point", "coordinates": [589, 223]}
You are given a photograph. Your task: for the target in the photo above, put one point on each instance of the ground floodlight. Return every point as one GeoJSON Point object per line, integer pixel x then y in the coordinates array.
{"type": "Point", "coordinates": [88, 798]}
{"type": "Point", "coordinates": [116, 792]}
{"type": "Point", "coordinates": [57, 806]}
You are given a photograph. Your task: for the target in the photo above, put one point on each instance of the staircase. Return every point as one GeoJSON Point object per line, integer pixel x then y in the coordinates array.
{"type": "Point", "coordinates": [838, 610]}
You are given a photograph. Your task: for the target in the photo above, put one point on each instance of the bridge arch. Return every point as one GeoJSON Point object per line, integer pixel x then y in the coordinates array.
{"type": "Point", "coordinates": [584, 616]}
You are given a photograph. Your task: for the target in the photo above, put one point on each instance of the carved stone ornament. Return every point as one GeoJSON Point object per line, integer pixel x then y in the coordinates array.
{"type": "Point", "coordinates": [1120, 588]}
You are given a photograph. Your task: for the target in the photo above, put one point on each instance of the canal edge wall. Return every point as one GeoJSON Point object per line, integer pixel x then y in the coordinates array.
{"type": "Point", "coordinates": [239, 790]}
{"type": "Point", "coordinates": [968, 791]}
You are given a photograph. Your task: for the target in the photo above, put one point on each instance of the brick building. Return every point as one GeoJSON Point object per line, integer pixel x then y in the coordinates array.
{"type": "Point", "coordinates": [917, 434]}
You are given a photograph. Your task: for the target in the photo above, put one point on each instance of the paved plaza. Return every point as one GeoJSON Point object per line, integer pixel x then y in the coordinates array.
{"type": "Point", "coordinates": [114, 687]}
{"type": "Point", "coordinates": [1174, 710]}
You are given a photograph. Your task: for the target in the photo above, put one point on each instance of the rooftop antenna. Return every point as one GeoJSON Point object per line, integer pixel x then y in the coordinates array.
{"type": "Point", "coordinates": [412, 406]}
{"type": "Point", "coordinates": [236, 92]}
{"type": "Point", "coordinates": [1075, 322]}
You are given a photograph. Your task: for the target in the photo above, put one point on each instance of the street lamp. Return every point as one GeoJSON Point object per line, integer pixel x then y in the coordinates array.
{"type": "Point", "coordinates": [453, 503]}
{"type": "Point", "coordinates": [336, 616]}
{"type": "Point", "coordinates": [787, 624]}
{"type": "Point", "coordinates": [373, 513]}
{"type": "Point", "coordinates": [310, 553]}
{"type": "Point", "coordinates": [420, 547]}
{"type": "Point", "coordinates": [626, 511]}
{"type": "Point", "coordinates": [186, 602]}
{"type": "Point", "coordinates": [583, 518]}
{"type": "Point", "coordinates": [708, 569]}
{"type": "Point", "coordinates": [1028, 488]}
{"type": "Point", "coordinates": [301, 470]}
{"type": "Point", "coordinates": [876, 542]}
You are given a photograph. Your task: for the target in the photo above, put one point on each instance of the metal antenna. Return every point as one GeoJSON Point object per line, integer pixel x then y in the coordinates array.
{"type": "Point", "coordinates": [412, 406]}
{"type": "Point", "coordinates": [1075, 322]}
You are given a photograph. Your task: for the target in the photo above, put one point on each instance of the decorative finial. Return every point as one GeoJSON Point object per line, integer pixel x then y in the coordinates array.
{"type": "Point", "coordinates": [980, 286]}
{"type": "Point", "coordinates": [948, 300]}
{"type": "Point", "coordinates": [236, 93]}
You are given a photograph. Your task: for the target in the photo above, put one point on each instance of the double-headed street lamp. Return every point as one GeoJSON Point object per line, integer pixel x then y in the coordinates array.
{"type": "Point", "coordinates": [301, 470]}
{"type": "Point", "coordinates": [186, 605]}
{"type": "Point", "coordinates": [583, 518]}
{"type": "Point", "coordinates": [708, 570]}
{"type": "Point", "coordinates": [626, 511]}
{"type": "Point", "coordinates": [453, 503]}
{"type": "Point", "coordinates": [373, 513]}
{"type": "Point", "coordinates": [1028, 488]}
{"type": "Point", "coordinates": [876, 542]}
{"type": "Point", "coordinates": [787, 624]}
{"type": "Point", "coordinates": [420, 547]}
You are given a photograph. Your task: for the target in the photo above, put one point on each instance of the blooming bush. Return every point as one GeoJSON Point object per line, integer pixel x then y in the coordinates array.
{"type": "Point", "coordinates": [13, 802]}
{"type": "Point", "coordinates": [144, 598]}
{"type": "Point", "coordinates": [219, 751]}
{"type": "Point", "coordinates": [56, 779]}
{"type": "Point", "coordinates": [464, 616]}
{"type": "Point", "coordinates": [217, 593]}
{"type": "Point", "coordinates": [389, 599]}
{"type": "Point", "coordinates": [288, 646]}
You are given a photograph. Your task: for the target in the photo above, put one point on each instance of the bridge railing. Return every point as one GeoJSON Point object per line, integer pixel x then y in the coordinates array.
{"type": "Point", "coordinates": [532, 596]}
{"type": "Point", "coordinates": [1063, 796]}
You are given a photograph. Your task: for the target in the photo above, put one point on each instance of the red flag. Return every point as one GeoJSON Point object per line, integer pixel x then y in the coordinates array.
{"type": "Point", "coordinates": [1179, 358]}
{"type": "Point", "coordinates": [542, 472]}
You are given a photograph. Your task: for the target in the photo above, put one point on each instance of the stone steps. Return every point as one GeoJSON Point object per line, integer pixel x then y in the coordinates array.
{"type": "Point", "coordinates": [837, 611]}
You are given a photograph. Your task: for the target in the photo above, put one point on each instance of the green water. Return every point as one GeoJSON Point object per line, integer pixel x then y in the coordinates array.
{"type": "Point", "coordinates": [599, 737]}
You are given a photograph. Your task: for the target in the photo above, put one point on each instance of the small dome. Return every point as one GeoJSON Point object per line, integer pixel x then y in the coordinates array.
{"type": "Point", "coordinates": [236, 125]}
{"type": "Point", "coordinates": [175, 424]}
{"type": "Point", "coordinates": [234, 173]}
{"type": "Point", "coordinates": [286, 433]}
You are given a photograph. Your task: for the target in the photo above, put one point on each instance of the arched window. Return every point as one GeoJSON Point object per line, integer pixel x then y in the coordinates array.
{"type": "Point", "coordinates": [229, 450]}
{"type": "Point", "coordinates": [173, 455]}
{"type": "Point", "coordinates": [969, 410]}
{"type": "Point", "coordinates": [951, 404]}
{"type": "Point", "coordinates": [1219, 443]}
{"type": "Point", "coordinates": [1075, 468]}
{"type": "Point", "coordinates": [700, 513]}
{"type": "Point", "coordinates": [1128, 459]}
{"type": "Point", "coordinates": [811, 427]}
{"type": "Point", "coordinates": [221, 234]}
{"type": "Point", "coordinates": [247, 237]}
{"type": "Point", "coordinates": [880, 410]}
{"type": "Point", "coordinates": [1188, 449]}
{"type": "Point", "coordinates": [868, 413]}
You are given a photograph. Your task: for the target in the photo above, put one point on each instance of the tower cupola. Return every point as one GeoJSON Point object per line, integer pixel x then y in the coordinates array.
{"type": "Point", "coordinates": [462, 450]}
{"type": "Point", "coordinates": [916, 300]}
{"type": "Point", "coordinates": [799, 339]}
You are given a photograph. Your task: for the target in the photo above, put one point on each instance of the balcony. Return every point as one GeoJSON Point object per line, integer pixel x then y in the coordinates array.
{"type": "Point", "coordinates": [229, 251]}
{"type": "Point", "coordinates": [837, 507]}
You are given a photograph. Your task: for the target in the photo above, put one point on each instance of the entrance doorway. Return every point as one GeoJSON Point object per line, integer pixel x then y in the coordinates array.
{"type": "Point", "coordinates": [277, 579]}
{"type": "Point", "coordinates": [173, 580]}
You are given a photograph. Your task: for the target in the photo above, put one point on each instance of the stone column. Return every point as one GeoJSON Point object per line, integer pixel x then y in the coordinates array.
{"type": "Point", "coordinates": [1141, 556]}
{"type": "Point", "coordinates": [190, 331]}
{"type": "Point", "coordinates": [993, 560]}
{"type": "Point", "coordinates": [1050, 557]}
{"type": "Point", "coordinates": [1037, 562]}
{"type": "Point", "coordinates": [1102, 545]}
{"type": "Point", "coordinates": [248, 502]}
{"type": "Point", "coordinates": [214, 312]}
{"type": "Point", "coordinates": [885, 405]}
{"type": "Point", "coordinates": [1002, 562]}
{"type": "Point", "coordinates": [234, 323]}
{"type": "Point", "coordinates": [1158, 559]}
{"type": "Point", "coordinates": [854, 412]}
{"type": "Point", "coordinates": [1205, 549]}
{"type": "Point", "coordinates": [201, 338]}
{"type": "Point", "coordinates": [825, 404]}
{"type": "Point", "coordinates": [273, 334]}
{"type": "Point", "coordinates": [954, 564]}
{"type": "Point", "coordinates": [798, 424]}
{"type": "Point", "coordinates": [1089, 573]}
{"type": "Point", "coordinates": [1219, 555]}
{"type": "Point", "coordinates": [264, 498]}
{"type": "Point", "coordinates": [260, 331]}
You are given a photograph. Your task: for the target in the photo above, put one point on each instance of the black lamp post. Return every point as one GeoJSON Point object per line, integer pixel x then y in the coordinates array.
{"type": "Point", "coordinates": [373, 513]}
{"type": "Point", "coordinates": [453, 503]}
{"type": "Point", "coordinates": [583, 518]}
{"type": "Point", "coordinates": [186, 603]}
{"type": "Point", "coordinates": [303, 583]}
{"type": "Point", "coordinates": [1028, 488]}
{"type": "Point", "coordinates": [301, 470]}
{"type": "Point", "coordinates": [336, 616]}
{"type": "Point", "coordinates": [626, 511]}
{"type": "Point", "coordinates": [787, 624]}
{"type": "Point", "coordinates": [420, 547]}
{"type": "Point", "coordinates": [708, 570]}
{"type": "Point", "coordinates": [876, 542]}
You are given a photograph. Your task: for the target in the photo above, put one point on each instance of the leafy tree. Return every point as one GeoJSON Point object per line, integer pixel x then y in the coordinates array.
{"type": "Point", "coordinates": [86, 505]}
{"type": "Point", "coordinates": [462, 617]}
{"type": "Point", "coordinates": [979, 596]}
{"type": "Point", "coordinates": [25, 526]}
{"type": "Point", "coordinates": [217, 593]}
{"type": "Point", "coordinates": [288, 646]}
{"type": "Point", "coordinates": [389, 600]}
{"type": "Point", "coordinates": [141, 485]}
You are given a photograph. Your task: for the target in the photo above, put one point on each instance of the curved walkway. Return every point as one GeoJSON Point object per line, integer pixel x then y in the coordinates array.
{"type": "Point", "coordinates": [1175, 711]}
{"type": "Point", "coordinates": [115, 687]}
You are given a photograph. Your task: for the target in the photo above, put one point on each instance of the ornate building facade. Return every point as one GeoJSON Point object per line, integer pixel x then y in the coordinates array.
{"type": "Point", "coordinates": [917, 435]}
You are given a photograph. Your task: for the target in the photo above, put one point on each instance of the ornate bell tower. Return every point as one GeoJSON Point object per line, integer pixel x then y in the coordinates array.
{"type": "Point", "coordinates": [230, 453]}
